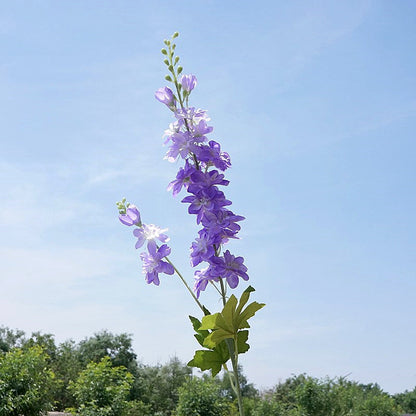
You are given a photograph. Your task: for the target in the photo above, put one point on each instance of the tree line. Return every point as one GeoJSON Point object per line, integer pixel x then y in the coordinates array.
{"type": "Point", "coordinates": [101, 376]}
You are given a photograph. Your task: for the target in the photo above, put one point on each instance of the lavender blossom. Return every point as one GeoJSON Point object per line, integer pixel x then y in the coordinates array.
{"type": "Point", "coordinates": [131, 217]}
{"type": "Point", "coordinates": [200, 180]}
{"type": "Point", "coordinates": [230, 268]}
{"type": "Point", "coordinates": [206, 200]}
{"type": "Point", "coordinates": [153, 263]}
{"type": "Point", "coordinates": [190, 116]}
{"type": "Point", "coordinates": [150, 233]}
{"type": "Point", "coordinates": [202, 249]}
{"type": "Point", "coordinates": [183, 143]}
{"type": "Point", "coordinates": [212, 154]}
{"type": "Point", "coordinates": [203, 277]}
{"type": "Point", "coordinates": [201, 129]}
{"type": "Point", "coordinates": [222, 225]}
{"type": "Point", "coordinates": [183, 178]}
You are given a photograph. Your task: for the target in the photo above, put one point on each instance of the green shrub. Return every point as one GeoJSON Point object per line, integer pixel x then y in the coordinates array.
{"type": "Point", "coordinates": [201, 398]}
{"type": "Point", "coordinates": [26, 383]}
{"type": "Point", "coordinates": [102, 390]}
{"type": "Point", "coordinates": [138, 408]}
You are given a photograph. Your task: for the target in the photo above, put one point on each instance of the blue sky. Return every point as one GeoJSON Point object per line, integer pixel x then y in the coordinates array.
{"type": "Point", "coordinates": [316, 104]}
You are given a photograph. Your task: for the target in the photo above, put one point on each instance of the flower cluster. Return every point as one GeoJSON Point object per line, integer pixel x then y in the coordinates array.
{"type": "Point", "coordinates": [201, 176]}
{"type": "Point", "coordinates": [153, 262]}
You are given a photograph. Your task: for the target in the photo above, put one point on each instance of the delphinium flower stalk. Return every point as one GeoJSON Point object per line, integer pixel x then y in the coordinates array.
{"type": "Point", "coordinates": [201, 175]}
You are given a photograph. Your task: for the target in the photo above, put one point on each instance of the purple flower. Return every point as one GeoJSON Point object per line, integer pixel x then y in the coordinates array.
{"type": "Point", "coordinates": [190, 116]}
{"type": "Point", "coordinates": [201, 129]}
{"type": "Point", "coordinates": [202, 278]}
{"type": "Point", "coordinates": [202, 249]}
{"type": "Point", "coordinates": [188, 82]}
{"type": "Point", "coordinates": [149, 233]}
{"type": "Point", "coordinates": [212, 154]}
{"type": "Point", "coordinates": [230, 268]}
{"type": "Point", "coordinates": [182, 144]}
{"type": "Point", "coordinates": [153, 263]}
{"type": "Point", "coordinates": [165, 96]}
{"type": "Point", "coordinates": [200, 180]}
{"type": "Point", "coordinates": [221, 225]}
{"type": "Point", "coordinates": [205, 200]}
{"type": "Point", "coordinates": [131, 217]}
{"type": "Point", "coordinates": [173, 128]}
{"type": "Point", "coordinates": [183, 179]}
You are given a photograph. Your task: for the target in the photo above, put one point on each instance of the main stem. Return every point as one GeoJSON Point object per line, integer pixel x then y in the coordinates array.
{"type": "Point", "coordinates": [231, 344]}
{"type": "Point", "coordinates": [233, 349]}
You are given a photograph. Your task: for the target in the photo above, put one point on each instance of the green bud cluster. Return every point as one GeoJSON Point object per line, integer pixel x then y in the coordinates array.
{"type": "Point", "coordinates": [171, 61]}
{"type": "Point", "coordinates": [122, 206]}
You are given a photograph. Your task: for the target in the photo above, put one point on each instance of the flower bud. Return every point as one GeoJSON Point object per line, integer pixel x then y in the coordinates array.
{"type": "Point", "coordinates": [188, 82]}
{"type": "Point", "coordinates": [165, 96]}
{"type": "Point", "coordinates": [131, 217]}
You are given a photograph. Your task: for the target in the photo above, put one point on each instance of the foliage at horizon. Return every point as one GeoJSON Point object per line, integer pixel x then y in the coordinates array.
{"type": "Point", "coordinates": [163, 390]}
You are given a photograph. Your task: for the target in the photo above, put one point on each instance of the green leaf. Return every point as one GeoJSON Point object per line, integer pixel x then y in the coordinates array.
{"type": "Point", "coordinates": [196, 323]}
{"type": "Point", "coordinates": [211, 359]}
{"type": "Point", "coordinates": [230, 320]}
{"type": "Point", "coordinates": [214, 331]}
{"type": "Point", "coordinates": [242, 344]}
{"type": "Point", "coordinates": [206, 311]}
{"type": "Point", "coordinates": [209, 321]}
{"type": "Point", "coordinates": [248, 313]}
{"type": "Point", "coordinates": [200, 334]}
{"type": "Point", "coordinates": [228, 314]}
{"type": "Point", "coordinates": [217, 336]}
{"type": "Point", "coordinates": [244, 298]}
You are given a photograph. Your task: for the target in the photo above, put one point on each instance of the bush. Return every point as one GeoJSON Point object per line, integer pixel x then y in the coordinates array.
{"type": "Point", "coordinates": [102, 390]}
{"type": "Point", "coordinates": [138, 408]}
{"type": "Point", "coordinates": [201, 398]}
{"type": "Point", "coordinates": [26, 383]}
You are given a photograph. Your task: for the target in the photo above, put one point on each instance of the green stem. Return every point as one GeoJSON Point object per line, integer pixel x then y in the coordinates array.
{"type": "Point", "coordinates": [215, 287]}
{"type": "Point", "coordinates": [231, 378]}
{"type": "Point", "coordinates": [186, 285]}
{"type": "Point", "coordinates": [233, 350]}
{"type": "Point", "coordinates": [180, 98]}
